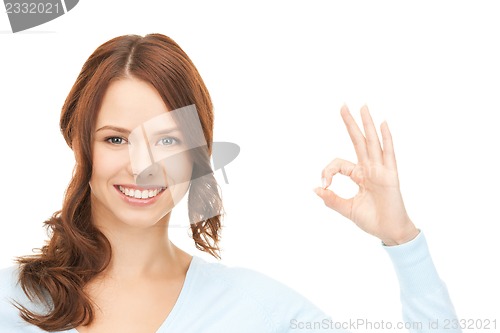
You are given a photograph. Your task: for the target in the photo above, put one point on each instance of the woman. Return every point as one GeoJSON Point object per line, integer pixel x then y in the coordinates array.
{"type": "Point", "coordinates": [139, 120]}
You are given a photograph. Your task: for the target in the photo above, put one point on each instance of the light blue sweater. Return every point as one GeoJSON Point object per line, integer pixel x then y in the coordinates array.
{"type": "Point", "coordinates": [220, 299]}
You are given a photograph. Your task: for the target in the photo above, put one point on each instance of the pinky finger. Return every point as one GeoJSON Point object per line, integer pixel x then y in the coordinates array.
{"type": "Point", "coordinates": [388, 148]}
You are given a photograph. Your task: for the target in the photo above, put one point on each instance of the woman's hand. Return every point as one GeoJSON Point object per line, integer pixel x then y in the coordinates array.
{"type": "Point", "coordinates": [378, 206]}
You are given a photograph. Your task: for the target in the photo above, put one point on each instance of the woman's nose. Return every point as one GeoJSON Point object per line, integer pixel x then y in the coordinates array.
{"type": "Point", "coordinates": [139, 158]}
{"type": "Point", "coordinates": [153, 175]}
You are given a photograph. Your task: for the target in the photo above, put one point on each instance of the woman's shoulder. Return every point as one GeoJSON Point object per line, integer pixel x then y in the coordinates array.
{"type": "Point", "coordinates": [257, 292]}
{"type": "Point", "coordinates": [10, 292]}
{"type": "Point", "coordinates": [241, 279]}
{"type": "Point", "coordinates": [8, 280]}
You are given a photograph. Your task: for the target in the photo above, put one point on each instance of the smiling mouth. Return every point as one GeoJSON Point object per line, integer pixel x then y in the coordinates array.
{"type": "Point", "coordinates": [141, 194]}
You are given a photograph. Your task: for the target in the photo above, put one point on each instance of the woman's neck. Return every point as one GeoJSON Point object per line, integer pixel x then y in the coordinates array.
{"type": "Point", "coordinates": [141, 252]}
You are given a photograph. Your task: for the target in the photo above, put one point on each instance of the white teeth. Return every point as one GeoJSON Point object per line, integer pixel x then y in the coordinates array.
{"type": "Point", "coordinates": [138, 194]}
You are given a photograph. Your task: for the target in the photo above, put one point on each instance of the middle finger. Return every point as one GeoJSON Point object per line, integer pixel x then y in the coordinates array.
{"type": "Point", "coordinates": [356, 135]}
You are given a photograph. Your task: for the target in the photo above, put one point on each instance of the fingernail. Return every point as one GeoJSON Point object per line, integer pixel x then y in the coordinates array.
{"type": "Point", "coordinates": [323, 182]}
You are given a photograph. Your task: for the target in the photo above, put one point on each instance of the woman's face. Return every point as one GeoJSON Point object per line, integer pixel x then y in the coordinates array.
{"type": "Point", "coordinates": [141, 163]}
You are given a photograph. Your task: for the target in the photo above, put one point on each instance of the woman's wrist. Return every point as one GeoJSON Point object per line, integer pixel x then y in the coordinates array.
{"type": "Point", "coordinates": [402, 237]}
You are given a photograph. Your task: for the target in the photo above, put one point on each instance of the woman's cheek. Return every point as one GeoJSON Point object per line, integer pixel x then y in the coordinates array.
{"type": "Point", "coordinates": [108, 162]}
{"type": "Point", "coordinates": [178, 169]}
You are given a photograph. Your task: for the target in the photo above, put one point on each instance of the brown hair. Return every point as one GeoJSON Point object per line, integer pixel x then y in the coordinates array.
{"type": "Point", "coordinates": [77, 251]}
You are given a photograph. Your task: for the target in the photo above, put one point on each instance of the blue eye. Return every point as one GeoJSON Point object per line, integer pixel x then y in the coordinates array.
{"type": "Point", "coordinates": [167, 141]}
{"type": "Point", "coordinates": [115, 140]}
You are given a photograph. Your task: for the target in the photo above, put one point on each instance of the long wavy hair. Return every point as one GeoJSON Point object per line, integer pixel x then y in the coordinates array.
{"type": "Point", "coordinates": [76, 250]}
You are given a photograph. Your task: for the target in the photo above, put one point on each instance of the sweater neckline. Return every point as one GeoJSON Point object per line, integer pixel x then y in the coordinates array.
{"type": "Point", "coordinates": [183, 295]}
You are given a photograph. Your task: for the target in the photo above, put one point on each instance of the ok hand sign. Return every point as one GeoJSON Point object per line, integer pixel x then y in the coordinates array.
{"type": "Point", "coordinates": [378, 206]}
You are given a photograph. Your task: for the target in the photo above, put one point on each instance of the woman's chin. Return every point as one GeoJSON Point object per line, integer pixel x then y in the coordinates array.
{"type": "Point", "coordinates": [141, 221]}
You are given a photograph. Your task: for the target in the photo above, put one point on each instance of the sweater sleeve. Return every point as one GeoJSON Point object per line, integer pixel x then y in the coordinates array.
{"type": "Point", "coordinates": [425, 301]}
{"type": "Point", "coordinates": [426, 304]}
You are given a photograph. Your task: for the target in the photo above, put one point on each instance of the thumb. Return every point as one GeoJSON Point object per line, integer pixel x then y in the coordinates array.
{"type": "Point", "coordinates": [333, 201]}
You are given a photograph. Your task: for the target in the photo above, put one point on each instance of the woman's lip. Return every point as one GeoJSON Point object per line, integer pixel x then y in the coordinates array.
{"type": "Point", "coordinates": [135, 201]}
{"type": "Point", "coordinates": [140, 188]}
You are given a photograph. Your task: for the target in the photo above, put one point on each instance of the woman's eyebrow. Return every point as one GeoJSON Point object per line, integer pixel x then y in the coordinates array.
{"type": "Point", "coordinates": [114, 128]}
{"type": "Point", "coordinates": [127, 132]}
{"type": "Point", "coordinates": [166, 131]}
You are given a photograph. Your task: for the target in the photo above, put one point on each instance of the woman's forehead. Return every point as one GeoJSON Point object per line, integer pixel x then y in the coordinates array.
{"type": "Point", "coordinates": [130, 102]}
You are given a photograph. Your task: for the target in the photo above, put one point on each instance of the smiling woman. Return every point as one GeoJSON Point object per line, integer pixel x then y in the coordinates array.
{"type": "Point", "coordinates": [127, 83]}
{"type": "Point", "coordinates": [139, 120]}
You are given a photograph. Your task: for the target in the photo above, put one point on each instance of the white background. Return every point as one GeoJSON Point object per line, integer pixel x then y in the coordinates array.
{"type": "Point", "coordinates": [278, 74]}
